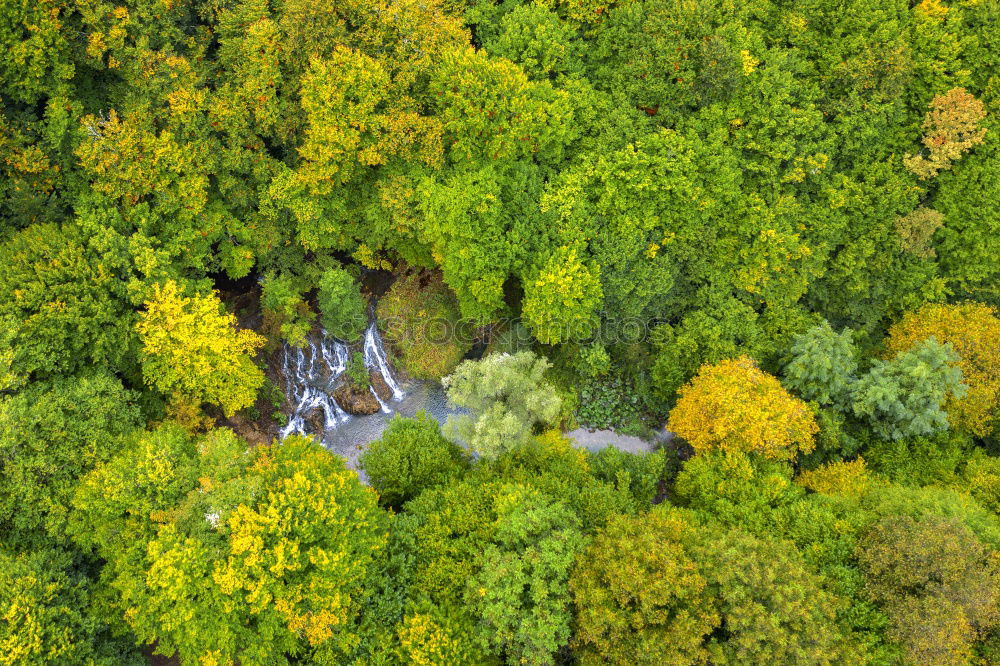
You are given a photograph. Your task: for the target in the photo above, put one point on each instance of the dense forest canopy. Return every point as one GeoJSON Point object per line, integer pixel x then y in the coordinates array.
{"type": "Point", "coordinates": [768, 227]}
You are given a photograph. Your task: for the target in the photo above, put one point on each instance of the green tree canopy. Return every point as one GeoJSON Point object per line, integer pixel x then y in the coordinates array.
{"type": "Point", "coordinates": [45, 602]}
{"type": "Point", "coordinates": [343, 312]}
{"type": "Point", "coordinates": [822, 366]}
{"type": "Point", "coordinates": [51, 434]}
{"type": "Point", "coordinates": [521, 592]}
{"type": "Point", "coordinates": [201, 559]}
{"type": "Point", "coordinates": [561, 299]}
{"type": "Point", "coordinates": [773, 607]}
{"type": "Point", "coordinates": [63, 306]}
{"type": "Point", "coordinates": [640, 597]}
{"type": "Point", "coordinates": [905, 397]}
{"type": "Point", "coordinates": [412, 456]}
{"type": "Point", "coordinates": [498, 556]}
{"type": "Point", "coordinates": [939, 583]}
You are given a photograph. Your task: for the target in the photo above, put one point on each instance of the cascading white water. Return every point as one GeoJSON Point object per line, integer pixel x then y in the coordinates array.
{"type": "Point", "coordinates": [312, 373]}
{"type": "Point", "coordinates": [381, 403]}
{"type": "Point", "coordinates": [375, 358]}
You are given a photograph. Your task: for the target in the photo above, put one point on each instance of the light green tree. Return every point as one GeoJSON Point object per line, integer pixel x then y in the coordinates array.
{"type": "Point", "coordinates": [495, 557]}
{"type": "Point", "coordinates": [343, 311]}
{"type": "Point", "coordinates": [561, 299]}
{"type": "Point", "coordinates": [521, 591]}
{"type": "Point", "coordinates": [508, 397]}
{"type": "Point", "coordinates": [534, 37]}
{"type": "Point", "coordinates": [595, 488]}
{"type": "Point", "coordinates": [905, 397]}
{"type": "Point", "coordinates": [822, 366]}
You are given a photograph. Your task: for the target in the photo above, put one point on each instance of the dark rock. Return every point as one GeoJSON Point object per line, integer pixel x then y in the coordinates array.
{"type": "Point", "coordinates": [316, 420]}
{"type": "Point", "coordinates": [355, 399]}
{"type": "Point", "coordinates": [378, 383]}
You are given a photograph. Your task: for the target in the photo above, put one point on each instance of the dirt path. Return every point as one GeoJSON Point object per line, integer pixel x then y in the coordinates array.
{"type": "Point", "coordinates": [599, 439]}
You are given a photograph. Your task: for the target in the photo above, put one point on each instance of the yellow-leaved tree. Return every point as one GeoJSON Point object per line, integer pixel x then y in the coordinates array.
{"type": "Point", "coordinates": [192, 350]}
{"type": "Point", "coordinates": [735, 406]}
{"type": "Point", "coordinates": [951, 129]}
{"type": "Point", "coordinates": [238, 555]}
{"type": "Point", "coordinates": [841, 478]}
{"type": "Point", "coordinates": [973, 329]}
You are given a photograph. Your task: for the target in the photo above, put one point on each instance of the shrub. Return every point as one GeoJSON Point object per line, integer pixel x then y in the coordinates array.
{"type": "Point", "coordinates": [608, 403]}
{"type": "Point", "coordinates": [920, 461]}
{"type": "Point", "coordinates": [421, 320]}
{"type": "Point", "coordinates": [639, 473]}
{"type": "Point", "coordinates": [286, 312]}
{"type": "Point", "coordinates": [357, 371]}
{"type": "Point", "coordinates": [593, 360]}
{"type": "Point", "coordinates": [410, 457]}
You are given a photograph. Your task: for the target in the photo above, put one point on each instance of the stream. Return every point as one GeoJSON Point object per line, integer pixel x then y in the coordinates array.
{"type": "Point", "coordinates": [312, 373]}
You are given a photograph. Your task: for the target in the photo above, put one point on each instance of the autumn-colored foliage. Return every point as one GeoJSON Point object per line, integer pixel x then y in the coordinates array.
{"type": "Point", "coordinates": [561, 211]}
{"type": "Point", "coordinates": [639, 595]}
{"type": "Point", "coordinates": [217, 546]}
{"type": "Point", "coordinates": [951, 128]}
{"type": "Point", "coordinates": [311, 571]}
{"type": "Point", "coordinates": [425, 642]}
{"type": "Point", "coordinates": [973, 329]}
{"type": "Point", "coordinates": [733, 405]}
{"type": "Point", "coordinates": [939, 584]}
{"type": "Point", "coordinates": [193, 350]}
{"type": "Point", "coordinates": [847, 479]}
{"type": "Point", "coordinates": [560, 301]}
{"type": "Point", "coordinates": [916, 229]}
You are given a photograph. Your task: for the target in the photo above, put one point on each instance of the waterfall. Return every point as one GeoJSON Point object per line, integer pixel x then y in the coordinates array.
{"type": "Point", "coordinates": [375, 359]}
{"type": "Point", "coordinates": [381, 403]}
{"type": "Point", "coordinates": [313, 372]}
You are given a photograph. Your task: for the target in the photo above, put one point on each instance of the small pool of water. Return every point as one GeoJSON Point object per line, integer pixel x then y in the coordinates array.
{"type": "Point", "coordinates": [350, 438]}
